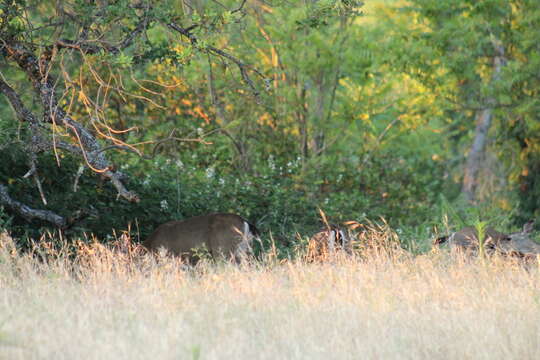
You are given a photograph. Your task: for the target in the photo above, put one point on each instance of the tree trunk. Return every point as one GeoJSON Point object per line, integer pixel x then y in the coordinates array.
{"type": "Point", "coordinates": [483, 123]}
{"type": "Point", "coordinates": [302, 115]}
{"type": "Point", "coordinates": [476, 154]}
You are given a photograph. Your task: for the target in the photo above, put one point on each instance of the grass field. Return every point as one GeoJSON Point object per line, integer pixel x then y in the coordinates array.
{"type": "Point", "coordinates": [110, 304]}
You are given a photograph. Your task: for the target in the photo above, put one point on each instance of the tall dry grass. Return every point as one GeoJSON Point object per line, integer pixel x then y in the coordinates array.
{"type": "Point", "coordinates": [96, 302]}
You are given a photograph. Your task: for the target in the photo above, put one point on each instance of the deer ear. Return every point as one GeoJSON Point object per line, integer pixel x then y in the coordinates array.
{"type": "Point", "coordinates": [529, 226]}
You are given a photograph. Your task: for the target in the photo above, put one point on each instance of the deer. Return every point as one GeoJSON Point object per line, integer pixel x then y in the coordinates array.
{"type": "Point", "coordinates": [327, 242]}
{"type": "Point", "coordinates": [223, 235]}
{"type": "Point", "coordinates": [518, 243]}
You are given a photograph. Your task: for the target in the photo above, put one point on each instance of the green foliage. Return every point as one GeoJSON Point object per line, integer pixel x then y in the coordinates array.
{"type": "Point", "coordinates": [365, 113]}
{"type": "Point", "coordinates": [124, 61]}
{"type": "Point", "coordinates": [279, 199]}
{"type": "Point", "coordinates": [480, 227]}
{"type": "Point", "coordinates": [5, 219]}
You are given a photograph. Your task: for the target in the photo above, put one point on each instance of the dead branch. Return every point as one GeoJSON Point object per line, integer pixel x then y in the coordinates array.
{"type": "Point", "coordinates": [172, 137]}
{"type": "Point", "coordinates": [30, 213]}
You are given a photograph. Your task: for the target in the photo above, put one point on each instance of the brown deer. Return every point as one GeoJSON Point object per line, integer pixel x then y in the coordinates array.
{"type": "Point", "coordinates": [328, 242]}
{"type": "Point", "coordinates": [222, 235]}
{"type": "Point", "coordinates": [518, 243]}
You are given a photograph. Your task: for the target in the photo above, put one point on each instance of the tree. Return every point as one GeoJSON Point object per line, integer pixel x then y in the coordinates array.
{"type": "Point", "coordinates": [309, 45]}
{"type": "Point", "coordinates": [51, 47]}
{"type": "Point", "coordinates": [474, 55]}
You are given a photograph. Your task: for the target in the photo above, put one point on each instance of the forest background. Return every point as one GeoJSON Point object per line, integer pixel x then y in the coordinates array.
{"type": "Point", "coordinates": [120, 115]}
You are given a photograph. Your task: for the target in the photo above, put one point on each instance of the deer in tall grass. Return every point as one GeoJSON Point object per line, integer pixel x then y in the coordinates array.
{"type": "Point", "coordinates": [328, 242]}
{"type": "Point", "coordinates": [518, 243]}
{"type": "Point", "coordinates": [221, 235]}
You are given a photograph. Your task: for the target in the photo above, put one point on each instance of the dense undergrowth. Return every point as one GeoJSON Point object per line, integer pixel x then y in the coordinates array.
{"type": "Point", "coordinates": [281, 199]}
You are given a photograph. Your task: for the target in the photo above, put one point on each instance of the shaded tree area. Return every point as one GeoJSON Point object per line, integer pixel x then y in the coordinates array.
{"type": "Point", "coordinates": [124, 114]}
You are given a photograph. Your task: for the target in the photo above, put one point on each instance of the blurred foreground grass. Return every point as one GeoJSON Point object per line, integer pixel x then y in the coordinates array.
{"type": "Point", "coordinates": [98, 302]}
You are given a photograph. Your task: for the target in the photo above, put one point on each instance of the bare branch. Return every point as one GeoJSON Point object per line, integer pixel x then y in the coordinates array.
{"type": "Point", "coordinates": [77, 177]}
{"type": "Point", "coordinates": [379, 140]}
{"type": "Point", "coordinates": [122, 147]}
{"type": "Point", "coordinates": [33, 172]}
{"type": "Point", "coordinates": [242, 67]}
{"type": "Point", "coordinates": [28, 212]}
{"type": "Point", "coordinates": [77, 45]}
{"type": "Point", "coordinates": [240, 7]}
{"type": "Point", "coordinates": [172, 137]}
{"type": "Point", "coordinates": [141, 26]}
{"type": "Point", "coordinates": [186, 32]}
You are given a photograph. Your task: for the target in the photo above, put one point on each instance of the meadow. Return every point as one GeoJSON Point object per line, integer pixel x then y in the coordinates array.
{"type": "Point", "coordinates": [123, 115]}
{"type": "Point", "coordinates": [113, 302]}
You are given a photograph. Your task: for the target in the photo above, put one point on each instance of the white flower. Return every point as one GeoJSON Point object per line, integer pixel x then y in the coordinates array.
{"type": "Point", "coordinates": [200, 131]}
{"type": "Point", "coordinates": [210, 172]}
{"type": "Point", "coordinates": [164, 205]}
{"type": "Point", "coordinates": [179, 164]}
{"type": "Point", "coordinates": [271, 163]}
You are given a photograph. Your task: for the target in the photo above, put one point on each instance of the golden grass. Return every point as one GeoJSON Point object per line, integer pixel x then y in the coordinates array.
{"type": "Point", "coordinates": [114, 303]}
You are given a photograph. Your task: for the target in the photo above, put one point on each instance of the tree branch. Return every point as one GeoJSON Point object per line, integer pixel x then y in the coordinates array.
{"type": "Point", "coordinates": [87, 47]}
{"type": "Point", "coordinates": [55, 114]}
{"type": "Point", "coordinates": [240, 7]}
{"type": "Point", "coordinates": [30, 213]}
{"type": "Point", "coordinates": [242, 67]}
{"type": "Point", "coordinates": [16, 103]}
